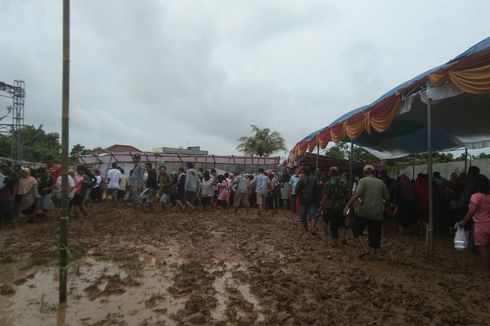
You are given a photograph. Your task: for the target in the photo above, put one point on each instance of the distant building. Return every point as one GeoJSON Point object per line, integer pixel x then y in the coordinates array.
{"type": "Point", "coordinates": [116, 148]}
{"type": "Point", "coordinates": [191, 150]}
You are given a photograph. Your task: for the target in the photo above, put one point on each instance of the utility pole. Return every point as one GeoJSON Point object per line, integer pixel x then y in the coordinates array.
{"type": "Point", "coordinates": [64, 154]}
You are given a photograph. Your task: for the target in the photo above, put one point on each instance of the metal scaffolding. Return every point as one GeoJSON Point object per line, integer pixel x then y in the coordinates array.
{"type": "Point", "coordinates": [14, 129]}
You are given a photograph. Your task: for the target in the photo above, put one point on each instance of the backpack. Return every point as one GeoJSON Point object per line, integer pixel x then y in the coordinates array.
{"type": "Point", "coordinates": [92, 177]}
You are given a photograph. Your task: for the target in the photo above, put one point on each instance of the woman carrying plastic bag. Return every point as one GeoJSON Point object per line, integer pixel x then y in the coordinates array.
{"type": "Point", "coordinates": [460, 238]}
{"type": "Point", "coordinates": [479, 211]}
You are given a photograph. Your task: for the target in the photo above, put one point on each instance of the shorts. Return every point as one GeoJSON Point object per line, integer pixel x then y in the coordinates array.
{"type": "Point", "coordinates": [482, 234]}
{"type": "Point", "coordinates": [261, 198]}
{"type": "Point", "coordinates": [113, 193]}
{"type": "Point", "coordinates": [190, 196]}
{"type": "Point", "coordinates": [374, 230]}
{"type": "Point", "coordinates": [165, 199]}
{"type": "Point", "coordinates": [120, 195]}
{"type": "Point", "coordinates": [135, 196]}
{"type": "Point", "coordinates": [307, 211]}
{"type": "Point", "coordinates": [240, 198]}
{"type": "Point", "coordinates": [336, 220]}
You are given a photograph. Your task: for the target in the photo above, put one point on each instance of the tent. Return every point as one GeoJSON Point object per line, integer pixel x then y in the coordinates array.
{"type": "Point", "coordinates": [443, 108]}
{"type": "Point", "coordinates": [395, 125]}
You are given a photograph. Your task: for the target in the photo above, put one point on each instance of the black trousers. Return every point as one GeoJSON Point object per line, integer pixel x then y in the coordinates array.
{"type": "Point", "coordinates": [374, 230]}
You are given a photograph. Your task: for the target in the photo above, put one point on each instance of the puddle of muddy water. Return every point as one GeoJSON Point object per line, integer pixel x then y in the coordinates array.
{"type": "Point", "coordinates": [35, 301]}
{"type": "Point", "coordinates": [226, 280]}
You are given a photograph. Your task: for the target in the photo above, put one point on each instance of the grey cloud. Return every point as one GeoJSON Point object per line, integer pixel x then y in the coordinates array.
{"type": "Point", "coordinates": [152, 73]}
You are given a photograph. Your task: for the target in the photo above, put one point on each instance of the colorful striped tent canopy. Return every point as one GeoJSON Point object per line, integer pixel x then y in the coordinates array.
{"type": "Point", "coordinates": [395, 125]}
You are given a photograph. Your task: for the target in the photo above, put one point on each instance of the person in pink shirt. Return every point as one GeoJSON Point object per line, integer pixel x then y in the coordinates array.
{"type": "Point", "coordinates": [479, 211]}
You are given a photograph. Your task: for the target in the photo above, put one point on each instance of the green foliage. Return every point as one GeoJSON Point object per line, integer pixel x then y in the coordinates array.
{"type": "Point", "coordinates": [482, 156]}
{"type": "Point", "coordinates": [338, 151]}
{"type": "Point", "coordinates": [263, 142]}
{"type": "Point", "coordinates": [37, 144]}
{"type": "Point", "coordinates": [342, 151]}
{"type": "Point", "coordinates": [77, 150]}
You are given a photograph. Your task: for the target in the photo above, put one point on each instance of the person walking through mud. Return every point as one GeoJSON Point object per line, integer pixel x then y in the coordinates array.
{"type": "Point", "coordinates": [151, 184]}
{"type": "Point", "coordinates": [374, 198]}
{"type": "Point", "coordinates": [136, 183]}
{"type": "Point", "coordinates": [82, 186]}
{"type": "Point", "coordinates": [180, 189]}
{"type": "Point", "coordinates": [307, 192]}
{"type": "Point", "coordinates": [207, 191]}
{"type": "Point", "coordinates": [335, 196]}
{"type": "Point", "coordinates": [165, 184]}
{"type": "Point", "coordinates": [240, 185]}
{"type": "Point", "coordinates": [192, 185]}
{"type": "Point", "coordinates": [479, 212]}
{"type": "Point", "coordinates": [261, 183]}
{"type": "Point", "coordinates": [113, 179]}
{"type": "Point", "coordinates": [293, 181]}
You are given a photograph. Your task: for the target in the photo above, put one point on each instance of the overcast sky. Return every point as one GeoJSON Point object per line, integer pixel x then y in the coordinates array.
{"type": "Point", "coordinates": [186, 72]}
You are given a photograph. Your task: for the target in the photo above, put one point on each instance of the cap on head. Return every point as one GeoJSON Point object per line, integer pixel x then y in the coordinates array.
{"type": "Point", "coordinates": [368, 168]}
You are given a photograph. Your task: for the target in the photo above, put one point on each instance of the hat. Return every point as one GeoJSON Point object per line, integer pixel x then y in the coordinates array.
{"type": "Point", "coordinates": [368, 168]}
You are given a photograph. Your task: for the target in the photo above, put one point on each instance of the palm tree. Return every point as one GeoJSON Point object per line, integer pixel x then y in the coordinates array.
{"type": "Point", "coordinates": [263, 142]}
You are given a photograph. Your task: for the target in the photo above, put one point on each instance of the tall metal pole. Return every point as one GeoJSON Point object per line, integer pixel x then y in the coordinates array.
{"type": "Point", "coordinates": [413, 167]}
{"type": "Point", "coordinates": [351, 159]}
{"type": "Point", "coordinates": [317, 157]}
{"type": "Point", "coordinates": [64, 153]}
{"type": "Point", "coordinates": [465, 160]}
{"type": "Point", "coordinates": [429, 172]}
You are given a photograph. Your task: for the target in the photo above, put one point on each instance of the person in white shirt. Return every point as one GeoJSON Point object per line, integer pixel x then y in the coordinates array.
{"type": "Point", "coordinates": [70, 189]}
{"type": "Point", "coordinates": [113, 177]}
{"type": "Point", "coordinates": [261, 183]}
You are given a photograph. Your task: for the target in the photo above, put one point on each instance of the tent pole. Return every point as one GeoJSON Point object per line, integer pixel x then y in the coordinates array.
{"type": "Point", "coordinates": [65, 124]}
{"type": "Point", "coordinates": [317, 156]}
{"type": "Point", "coordinates": [465, 160]}
{"type": "Point", "coordinates": [351, 159]}
{"type": "Point", "coordinates": [413, 168]}
{"type": "Point", "coordinates": [429, 172]}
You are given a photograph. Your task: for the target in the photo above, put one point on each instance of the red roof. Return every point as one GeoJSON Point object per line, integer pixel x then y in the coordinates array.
{"type": "Point", "coordinates": [117, 148]}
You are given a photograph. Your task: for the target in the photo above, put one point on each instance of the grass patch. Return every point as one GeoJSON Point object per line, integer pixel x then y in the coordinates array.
{"type": "Point", "coordinates": [36, 261]}
{"type": "Point", "coordinates": [186, 267]}
{"type": "Point", "coordinates": [132, 267]}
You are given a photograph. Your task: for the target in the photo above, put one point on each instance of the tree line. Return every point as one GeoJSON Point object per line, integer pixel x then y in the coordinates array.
{"type": "Point", "coordinates": [37, 145]}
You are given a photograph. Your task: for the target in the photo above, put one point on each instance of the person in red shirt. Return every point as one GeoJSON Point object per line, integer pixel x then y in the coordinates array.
{"type": "Point", "coordinates": [53, 169]}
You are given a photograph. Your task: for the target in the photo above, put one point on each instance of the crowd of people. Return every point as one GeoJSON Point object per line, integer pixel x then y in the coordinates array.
{"type": "Point", "coordinates": [365, 202]}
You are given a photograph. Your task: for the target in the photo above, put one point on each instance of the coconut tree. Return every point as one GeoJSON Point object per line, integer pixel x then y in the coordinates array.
{"type": "Point", "coordinates": [263, 142]}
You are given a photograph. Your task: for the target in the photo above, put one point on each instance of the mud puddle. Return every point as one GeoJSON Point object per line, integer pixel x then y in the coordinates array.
{"type": "Point", "coordinates": [234, 299]}
{"type": "Point", "coordinates": [133, 292]}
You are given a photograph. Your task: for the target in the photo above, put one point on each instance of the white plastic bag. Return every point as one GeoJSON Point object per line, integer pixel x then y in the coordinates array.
{"type": "Point", "coordinates": [460, 239]}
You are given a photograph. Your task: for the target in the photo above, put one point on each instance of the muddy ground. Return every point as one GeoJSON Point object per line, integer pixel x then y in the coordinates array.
{"type": "Point", "coordinates": [221, 268]}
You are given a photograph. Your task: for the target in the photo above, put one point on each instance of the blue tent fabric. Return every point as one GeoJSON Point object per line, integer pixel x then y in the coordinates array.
{"type": "Point", "coordinates": [406, 134]}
